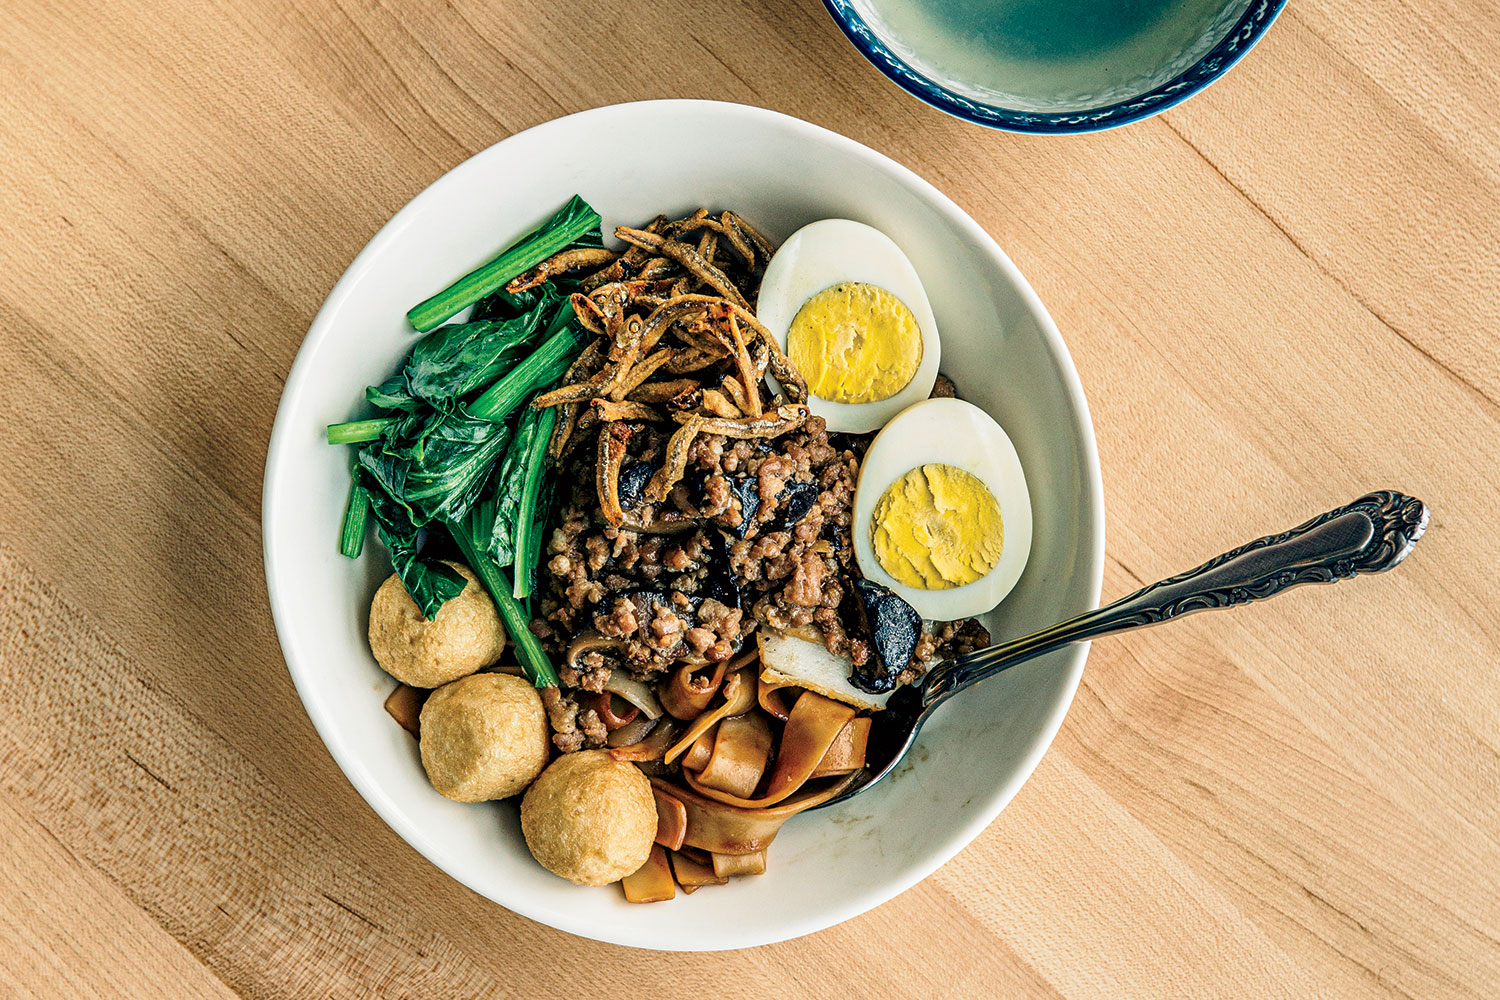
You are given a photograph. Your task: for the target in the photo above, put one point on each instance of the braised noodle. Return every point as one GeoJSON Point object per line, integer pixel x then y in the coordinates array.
{"type": "Point", "coordinates": [667, 676]}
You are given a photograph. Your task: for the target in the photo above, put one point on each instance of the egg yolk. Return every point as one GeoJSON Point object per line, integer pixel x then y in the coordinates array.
{"type": "Point", "coordinates": [855, 343]}
{"type": "Point", "coordinates": [937, 527]}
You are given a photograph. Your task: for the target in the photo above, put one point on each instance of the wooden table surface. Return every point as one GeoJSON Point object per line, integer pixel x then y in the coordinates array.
{"type": "Point", "coordinates": [1279, 295]}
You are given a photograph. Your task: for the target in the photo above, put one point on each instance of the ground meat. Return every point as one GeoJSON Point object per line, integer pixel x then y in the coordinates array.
{"type": "Point", "coordinates": [593, 728]}
{"type": "Point", "coordinates": [592, 672]}
{"type": "Point", "coordinates": [571, 729]}
{"type": "Point", "coordinates": [757, 532]}
{"type": "Point", "coordinates": [943, 388]}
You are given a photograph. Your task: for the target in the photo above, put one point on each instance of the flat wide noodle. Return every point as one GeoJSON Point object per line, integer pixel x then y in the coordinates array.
{"type": "Point", "coordinates": [723, 829]}
{"type": "Point", "coordinates": [739, 698]}
{"type": "Point", "coordinates": [671, 819]}
{"type": "Point", "coordinates": [729, 865]}
{"type": "Point", "coordinates": [652, 883]}
{"type": "Point", "coordinates": [740, 753]}
{"type": "Point", "coordinates": [405, 706]}
{"type": "Point", "coordinates": [696, 759]}
{"type": "Point", "coordinates": [686, 693]}
{"type": "Point", "coordinates": [848, 750]}
{"type": "Point", "coordinates": [692, 874]}
{"type": "Point", "coordinates": [773, 695]}
{"type": "Point", "coordinates": [810, 730]}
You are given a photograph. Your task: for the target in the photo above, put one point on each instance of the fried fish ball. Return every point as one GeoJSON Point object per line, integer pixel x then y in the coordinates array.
{"type": "Point", "coordinates": [465, 636]}
{"type": "Point", "coordinates": [590, 818]}
{"type": "Point", "coordinates": [484, 737]}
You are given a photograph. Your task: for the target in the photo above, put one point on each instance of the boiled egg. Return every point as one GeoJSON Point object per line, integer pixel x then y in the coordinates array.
{"type": "Point", "coordinates": [941, 512]}
{"type": "Point", "coordinates": [846, 305]}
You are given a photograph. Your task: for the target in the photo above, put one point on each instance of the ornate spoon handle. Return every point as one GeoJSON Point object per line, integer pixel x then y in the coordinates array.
{"type": "Point", "coordinates": [1370, 535]}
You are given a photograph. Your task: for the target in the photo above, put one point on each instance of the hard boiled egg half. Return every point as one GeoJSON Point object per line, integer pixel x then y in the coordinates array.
{"type": "Point", "coordinates": [847, 307]}
{"type": "Point", "coordinates": [941, 512]}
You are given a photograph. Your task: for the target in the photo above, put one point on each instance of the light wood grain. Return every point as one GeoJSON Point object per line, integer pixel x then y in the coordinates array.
{"type": "Point", "coordinates": [1278, 295]}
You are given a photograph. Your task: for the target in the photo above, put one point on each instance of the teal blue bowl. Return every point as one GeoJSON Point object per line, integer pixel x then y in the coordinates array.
{"type": "Point", "coordinates": [1226, 45]}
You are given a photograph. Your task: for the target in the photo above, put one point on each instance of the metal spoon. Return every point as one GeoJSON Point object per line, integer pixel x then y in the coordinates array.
{"type": "Point", "coordinates": [1370, 535]}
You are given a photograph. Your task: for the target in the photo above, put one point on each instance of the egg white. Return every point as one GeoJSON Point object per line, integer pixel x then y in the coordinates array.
{"type": "Point", "coordinates": [823, 254]}
{"type": "Point", "coordinates": [950, 432]}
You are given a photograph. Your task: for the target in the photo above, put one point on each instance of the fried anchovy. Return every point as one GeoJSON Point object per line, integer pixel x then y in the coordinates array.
{"type": "Point", "coordinates": [664, 315]}
{"type": "Point", "coordinates": [590, 314]}
{"type": "Point", "coordinates": [586, 422]}
{"type": "Point", "coordinates": [622, 355]}
{"type": "Point", "coordinates": [734, 221]}
{"type": "Point", "coordinates": [688, 400]}
{"type": "Point", "coordinates": [561, 263]}
{"type": "Point", "coordinates": [675, 465]}
{"type": "Point", "coordinates": [716, 404]}
{"type": "Point", "coordinates": [609, 411]}
{"type": "Point", "coordinates": [708, 246]}
{"type": "Point", "coordinates": [660, 392]}
{"type": "Point", "coordinates": [563, 432]}
{"type": "Point", "coordinates": [746, 368]}
{"type": "Point", "coordinates": [643, 370]}
{"type": "Point", "coordinates": [689, 258]}
{"type": "Point", "coordinates": [692, 359]}
{"type": "Point", "coordinates": [612, 442]}
{"type": "Point", "coordinates": [736, 392]}
{"type": "Point", "coordinates": [737, 238]}
{"type": "Point", "coordinates": [722, 227]}
{"type": "Point", "coordinates": [786, 418]}
{"type": "Point", "coordinates": [780, 365]}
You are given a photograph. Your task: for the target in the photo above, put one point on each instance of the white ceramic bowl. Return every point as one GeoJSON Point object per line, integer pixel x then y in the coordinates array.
{"type": "Point", "coordinates": [998, 343]}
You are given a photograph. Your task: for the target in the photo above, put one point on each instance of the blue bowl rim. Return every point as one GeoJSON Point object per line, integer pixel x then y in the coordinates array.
{"type": "Point", "coordinates": [1238, 41]}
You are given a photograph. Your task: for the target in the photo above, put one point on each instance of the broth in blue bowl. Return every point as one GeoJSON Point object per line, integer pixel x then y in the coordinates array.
{"type": "Point", "coordinates": [1053, 65]}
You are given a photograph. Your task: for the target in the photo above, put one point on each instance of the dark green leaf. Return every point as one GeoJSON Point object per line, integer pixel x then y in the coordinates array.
{"type": "Point", "coordinates": [430, 583]}
{"type": "Point", "coordinates": [565, 340]}
{"type": "Point", "coordinates": [439, 466]}
{"type": "Point", "coordinates": [510, 484]}
{"type": "Point", "coordinates": [392, 394]}
{"type": "Point", "coordinates": [460, 358]}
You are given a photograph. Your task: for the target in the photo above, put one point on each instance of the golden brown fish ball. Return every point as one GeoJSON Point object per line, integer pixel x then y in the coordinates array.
{"type": "Point", "coordinates": [484, 737]}
{"type": "Point", "coordinates": [590, 818]}
{"type": "Point", "coordinates": [465, 636]}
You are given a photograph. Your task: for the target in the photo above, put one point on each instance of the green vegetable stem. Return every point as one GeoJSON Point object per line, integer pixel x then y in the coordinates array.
{"type": "Point", "coordinates": [526, 516]}
{"type": "Point", "coordinates": [352, 538]}
{"type": "Point", "coordinates": [472, 536]}
{"type": "Point", "coordinates": [572, 221]}
{"type": "Point", "coordinates": [359, 431]}
{"type": "Point", "coordinates": [544, 365]}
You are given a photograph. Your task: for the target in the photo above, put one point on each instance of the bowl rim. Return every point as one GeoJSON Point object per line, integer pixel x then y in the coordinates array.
{"type": "Point", "coordinates": [372, 790]}
{"type": "Point", "coordinates": [1214, 64]}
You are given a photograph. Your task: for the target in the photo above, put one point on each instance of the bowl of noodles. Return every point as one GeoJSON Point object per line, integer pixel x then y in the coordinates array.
{"type": "Point", "coordinates": [610, 583]}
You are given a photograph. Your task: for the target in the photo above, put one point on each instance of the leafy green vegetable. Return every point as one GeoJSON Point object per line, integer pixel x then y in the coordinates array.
{"type": "Point", "coordinates": [531, 558]}
{"type": "Point", "coordinates": [438, 472]}
{"type": "Point", "coordinates": [472, 534]}
{"type": "Point", "coordinates": [356, 513]}
{"type": "Point", "coordinates": [544, 365]}
{"type": "Point", "coordinates": [448, 450]}
{"type": "Point", "coordinates": [510, 481]}
{"type": "Point", "coordinates": [570, 222]}
{"type": "Point", "coordinates": [430, 583]}
{"type": "Point", "coordinates": [359, 431]}
{"type": "Point", "coordinates": [458, 359]}
{"type": "Point", "coordinates": [392, 394]}
{"type": "Point", "coordinates": [525, 523]}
